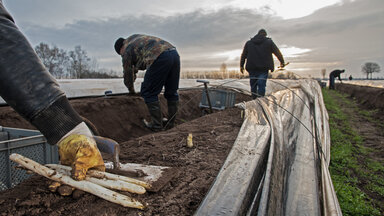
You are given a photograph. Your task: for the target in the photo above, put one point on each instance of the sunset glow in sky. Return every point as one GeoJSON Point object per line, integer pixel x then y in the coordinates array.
{"type": "Point", "coordinates": [311, 34]}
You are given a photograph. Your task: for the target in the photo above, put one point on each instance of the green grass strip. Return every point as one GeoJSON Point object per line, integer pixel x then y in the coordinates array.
{"type": "Point", "coordinates": [346, 146]}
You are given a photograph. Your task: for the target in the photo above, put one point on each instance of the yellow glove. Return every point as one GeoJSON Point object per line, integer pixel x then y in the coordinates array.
{"type": "Point", "coordinates": [81, 153]}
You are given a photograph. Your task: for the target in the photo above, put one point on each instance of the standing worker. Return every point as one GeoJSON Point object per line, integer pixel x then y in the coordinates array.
{"type": "Point", "coordinates": [258, 53]}
{"type": "Point", "coordinates": [28, 88]}
{"type": "Point", "coordinates": [162, 64]}
{"type": "Point", "coordinates": [332, 76]}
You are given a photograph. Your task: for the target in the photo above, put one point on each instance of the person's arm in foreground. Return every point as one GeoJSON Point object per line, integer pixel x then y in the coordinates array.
{"type": "Point", "coordinates": [28, 87]}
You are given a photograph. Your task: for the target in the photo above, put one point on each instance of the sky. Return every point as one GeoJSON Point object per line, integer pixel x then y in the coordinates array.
{"type": "Point", "coordinates": [311, 34]}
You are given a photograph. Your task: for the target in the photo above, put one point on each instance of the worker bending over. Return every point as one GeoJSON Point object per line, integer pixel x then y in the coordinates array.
{"type": "Point", "coordinates": [162, 64]}
{"type": "Point", "coordinates": [334, 74]}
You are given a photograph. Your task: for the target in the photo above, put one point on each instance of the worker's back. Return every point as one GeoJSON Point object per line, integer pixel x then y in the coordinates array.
{"type": "Point", "coordinates": [259, 53]}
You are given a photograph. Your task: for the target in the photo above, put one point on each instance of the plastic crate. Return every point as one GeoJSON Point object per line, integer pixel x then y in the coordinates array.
{"type": "Point", "coordinates": [29, 143]}
{"type": "Point", "coordinates": [220, 99]}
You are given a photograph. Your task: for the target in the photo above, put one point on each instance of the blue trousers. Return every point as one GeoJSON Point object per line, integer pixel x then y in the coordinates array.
{"type": "Point", "coordinates": [258, 81]}
{"type": "Point", "coordinates": [164, 72]}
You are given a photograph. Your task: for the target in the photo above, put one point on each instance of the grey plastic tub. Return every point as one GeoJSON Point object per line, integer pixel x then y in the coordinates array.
{"type": "Point", "coordinates": [220, 99]}
{"type": "Point", "coordinates": [29, 143]}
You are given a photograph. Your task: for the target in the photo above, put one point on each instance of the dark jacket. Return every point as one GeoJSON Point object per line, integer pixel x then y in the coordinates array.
{"type": "Point", "coordinates": [258, 52]}
{"type": "Point", "coordinates": [336, 73]}
{"type": "Point", "coordinates": [28, 87]}
{"type": "Point", "coordinates": [139, 54]}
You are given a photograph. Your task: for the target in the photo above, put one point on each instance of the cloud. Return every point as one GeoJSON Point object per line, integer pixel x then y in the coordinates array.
{"type": "Point", "coordinates": [343, 35]}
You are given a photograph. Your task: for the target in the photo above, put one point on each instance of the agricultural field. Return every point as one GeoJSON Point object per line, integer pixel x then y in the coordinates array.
{"type": "Point", "coordinates": [356, 125]}
{"type": "Point", "coordinates": [119, 118]}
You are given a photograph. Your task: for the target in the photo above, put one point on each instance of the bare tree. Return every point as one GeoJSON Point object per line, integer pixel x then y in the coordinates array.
{"type": "Point", "coordinates": [54, 59]}
{"type": "Point", "coordinates": [79, 63]}
{"type": "Point", "coordinates": [369, 68]}
{"type": "Point", "coordinates": [323, 72]}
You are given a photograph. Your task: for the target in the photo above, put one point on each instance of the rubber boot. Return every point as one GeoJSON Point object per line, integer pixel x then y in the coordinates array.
{"type": "Point", "coordinates": [172, 111]}
{"type": "Point", "coordinates": [156, 123]}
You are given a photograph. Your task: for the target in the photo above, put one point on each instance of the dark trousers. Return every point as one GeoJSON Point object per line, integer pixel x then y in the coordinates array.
{"type": "Point", "coordinates": [165, 71]}
{"type": "Point", "coordinates": [258, 82]}
{"type": "Point", "coordinates": [331, 82]}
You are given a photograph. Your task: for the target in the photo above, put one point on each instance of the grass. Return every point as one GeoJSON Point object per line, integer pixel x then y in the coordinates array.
{"type": "Point", "coordinates": [350, 164]}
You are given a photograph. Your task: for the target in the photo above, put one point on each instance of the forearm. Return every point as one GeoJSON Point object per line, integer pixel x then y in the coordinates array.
{"type": "Point", "coordinates": [242, 62]}
{"type": "Point", "coordinates": [26, 85]}
{"type": "Point", "coordinates": [277, 53]}
{"type": "Point", "coordinates": [243, 56]}
{"type": "Point", "coordinates": [129, 78]}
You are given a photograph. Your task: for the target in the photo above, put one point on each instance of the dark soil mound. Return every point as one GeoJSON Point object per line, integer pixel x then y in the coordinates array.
{"type": "Point", "coordinates": [119, 117]}
{"type": "Point", "coordinates": [370, 97]}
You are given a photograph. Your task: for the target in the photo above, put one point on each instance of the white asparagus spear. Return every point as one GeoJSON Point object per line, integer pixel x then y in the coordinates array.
{"type": "Point", "coordinates": [99, 174]}
{"type": "Point", "coordinates": [84, 185]}
{"type": "Point", "coordinates": [105, 175]}
{"type": "Point", "coordinates": [107, 183]}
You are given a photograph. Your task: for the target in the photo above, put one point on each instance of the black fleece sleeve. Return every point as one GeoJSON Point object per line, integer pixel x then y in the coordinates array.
{"type": "Point", "coordinates": [276, 51]}
{"type": "Point", "coordinates": [28, 87]}
{"type": "Point", "coordinates": [244, 55]}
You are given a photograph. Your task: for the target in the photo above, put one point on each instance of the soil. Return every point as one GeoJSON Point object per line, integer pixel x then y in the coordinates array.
{"type": "Point", "coordinates": [368, 97]}
{"type": "Point", "coordinates": [119, 117]}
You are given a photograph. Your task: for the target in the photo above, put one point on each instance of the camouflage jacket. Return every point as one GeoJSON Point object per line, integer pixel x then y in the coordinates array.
{"type": "Point", "coordinates": [140, 51]}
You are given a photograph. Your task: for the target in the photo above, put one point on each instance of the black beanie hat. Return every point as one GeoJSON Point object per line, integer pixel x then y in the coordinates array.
{"type": "Point", "coordinates": [262, 32]}
{"type": "Point", "coordinates": [118, 44]}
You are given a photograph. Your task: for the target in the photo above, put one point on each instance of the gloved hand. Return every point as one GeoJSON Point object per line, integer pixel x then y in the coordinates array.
{"type": "Point", "coordinates": [242, 70]}
{"type": "Point", "coordinates": [78, 150]}
{"type": "Point", "coordinates": [81, 153]}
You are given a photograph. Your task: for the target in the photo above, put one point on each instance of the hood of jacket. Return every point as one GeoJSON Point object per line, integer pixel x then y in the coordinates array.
{"type": "Point", "coordinates": [258, 39]}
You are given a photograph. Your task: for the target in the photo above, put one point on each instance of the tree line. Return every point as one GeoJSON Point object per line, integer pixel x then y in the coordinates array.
{"type": "Point", "coordinates": [73, 64]}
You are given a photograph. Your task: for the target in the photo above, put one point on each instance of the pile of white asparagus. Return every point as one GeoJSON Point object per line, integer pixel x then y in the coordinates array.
{"type": "Point", "coordinates": [98, 183]}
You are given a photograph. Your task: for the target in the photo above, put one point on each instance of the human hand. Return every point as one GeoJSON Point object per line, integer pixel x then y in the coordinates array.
{"type": "Point", "coordinates": [81, 153]}
{"type": "Point", "coordinates": [283, 64]}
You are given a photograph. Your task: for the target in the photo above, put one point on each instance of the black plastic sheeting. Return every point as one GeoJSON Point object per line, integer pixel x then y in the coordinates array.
{"type": "Point", "coordinates": [279, 162]}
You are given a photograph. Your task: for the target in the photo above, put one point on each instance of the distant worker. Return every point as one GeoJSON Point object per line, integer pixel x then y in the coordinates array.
{"type": "Point", "coordinates": [350, 77]}
{"type": "Point", "coordinates": [258, 53]}
{"type": "Point", "coordinates": [332, 76]}
{"type": "Point", "coordinates": [28, 88]}
{"type": "Point", "coordinates": [162, 64]}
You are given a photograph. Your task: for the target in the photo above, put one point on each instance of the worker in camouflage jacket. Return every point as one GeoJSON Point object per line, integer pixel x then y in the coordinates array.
{"type": "Point", "coordinates": [162, 64]}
